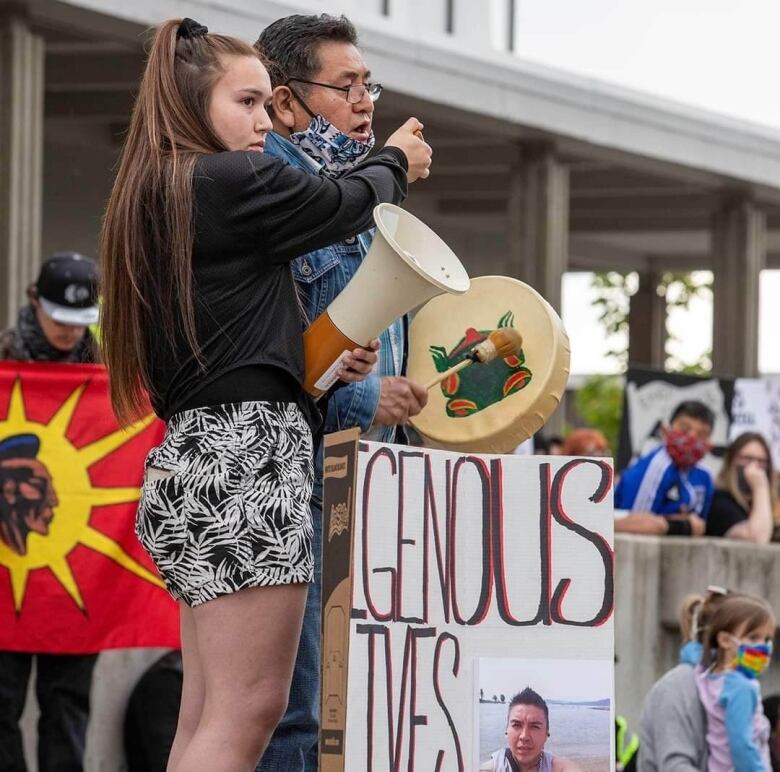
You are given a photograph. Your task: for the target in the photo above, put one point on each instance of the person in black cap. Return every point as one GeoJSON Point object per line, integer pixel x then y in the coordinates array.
{"type": "Point", "coordinates": [52, 327]}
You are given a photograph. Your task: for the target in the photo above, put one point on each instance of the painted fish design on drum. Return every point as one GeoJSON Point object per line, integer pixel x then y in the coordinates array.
{"type": "Point", "coordinates": [480, 385]}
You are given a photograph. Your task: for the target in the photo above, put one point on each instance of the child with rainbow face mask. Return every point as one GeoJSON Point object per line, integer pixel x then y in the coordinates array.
{"type": "Point", "coordinates": [737, 650]}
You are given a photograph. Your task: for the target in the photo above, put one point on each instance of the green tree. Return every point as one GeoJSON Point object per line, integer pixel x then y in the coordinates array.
{"type": "Point", "coordinates": [613, 298]}
{"type": "Point", "coordinates": [680, 289]}
{"type": "Point", "coordinates": [599, 402]}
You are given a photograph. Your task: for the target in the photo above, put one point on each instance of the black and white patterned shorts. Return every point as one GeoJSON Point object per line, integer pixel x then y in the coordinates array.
{"type": "Point", "coordinates": [225, 500]}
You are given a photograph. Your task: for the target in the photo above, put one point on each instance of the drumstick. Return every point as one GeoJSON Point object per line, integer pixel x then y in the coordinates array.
{"type": "Point", "coordinates": [501, 343]}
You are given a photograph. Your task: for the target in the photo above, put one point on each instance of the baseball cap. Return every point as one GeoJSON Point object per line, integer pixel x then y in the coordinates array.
{"type": "Point", "coordinates": [67, 288]}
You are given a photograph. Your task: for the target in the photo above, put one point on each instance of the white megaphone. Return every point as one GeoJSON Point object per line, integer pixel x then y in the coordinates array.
{"type": "Point", "coordinates": [382, 290]}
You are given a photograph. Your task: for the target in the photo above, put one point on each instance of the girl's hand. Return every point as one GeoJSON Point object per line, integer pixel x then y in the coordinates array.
{"type": "Point", "coordinates": [359, 363]}
{"type": "Point", "coordinates": [756, 476]}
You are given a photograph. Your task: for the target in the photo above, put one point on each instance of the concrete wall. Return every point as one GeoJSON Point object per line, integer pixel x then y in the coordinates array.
{"type": "Point", "coordinates": [653, 575]}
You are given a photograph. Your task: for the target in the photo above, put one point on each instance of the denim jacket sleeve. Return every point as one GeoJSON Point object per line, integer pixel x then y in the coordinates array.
{"type": "Point", "coordinates": [354, 405]}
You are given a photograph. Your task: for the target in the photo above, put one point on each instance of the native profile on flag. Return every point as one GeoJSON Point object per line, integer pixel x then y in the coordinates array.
{"type": "Point", "coordinates": [73, 578]}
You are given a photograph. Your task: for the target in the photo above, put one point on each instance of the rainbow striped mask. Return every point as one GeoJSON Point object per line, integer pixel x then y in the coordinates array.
{"type": "Point", "coordinates": [753, 659]}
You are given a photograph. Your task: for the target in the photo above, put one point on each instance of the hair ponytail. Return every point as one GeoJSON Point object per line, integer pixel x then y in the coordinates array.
{"type": "Point", "coordinates": [146, 238]}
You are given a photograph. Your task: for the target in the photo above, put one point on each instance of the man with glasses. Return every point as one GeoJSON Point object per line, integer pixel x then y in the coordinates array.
{"type": "Point", "coordinates": [322, 110]}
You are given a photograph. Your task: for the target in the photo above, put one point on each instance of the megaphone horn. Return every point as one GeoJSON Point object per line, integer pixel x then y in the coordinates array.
{"type": "Point", "coordinates": [382, 290]}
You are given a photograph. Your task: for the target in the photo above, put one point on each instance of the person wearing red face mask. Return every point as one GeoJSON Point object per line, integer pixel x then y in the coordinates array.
{"type": "Point", "coordinates": [666, 492]}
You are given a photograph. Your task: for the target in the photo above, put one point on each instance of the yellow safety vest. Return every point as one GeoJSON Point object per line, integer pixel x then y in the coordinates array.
{"type": "Point", "coordinates": [624, 751]}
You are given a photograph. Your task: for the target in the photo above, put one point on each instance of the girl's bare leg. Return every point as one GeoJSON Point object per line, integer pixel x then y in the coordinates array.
{"type": "Point", "coordinates": [193, 688]}
{"type": "Point", "coordinates": [246, 647]}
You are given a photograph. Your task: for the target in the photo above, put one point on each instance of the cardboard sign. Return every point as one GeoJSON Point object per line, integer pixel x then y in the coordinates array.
{"type": "Point", "coordinates": [472, 578]}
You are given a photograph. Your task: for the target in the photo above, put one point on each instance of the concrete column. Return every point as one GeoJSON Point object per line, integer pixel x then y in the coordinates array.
{"type": "Point", "coordinates": [738, 256]}
{"type": "Point", "coordinates": [21, 160]}
{"type": "Point", "coordinates": [538, 221]}
{"type": "Point", "coordinates": [538, 232]}
{"type": "Point", "coordinates": [647, 324]}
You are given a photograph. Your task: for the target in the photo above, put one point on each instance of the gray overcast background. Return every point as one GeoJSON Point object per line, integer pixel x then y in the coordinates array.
{"type": "Point", "coordinates": [718, 54]}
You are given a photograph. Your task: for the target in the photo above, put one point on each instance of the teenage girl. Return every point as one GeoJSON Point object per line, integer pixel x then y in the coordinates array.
{"type": "Point", "coordinates": [200, 312]}
{"type": "Point", "coordinates": [737, 648]}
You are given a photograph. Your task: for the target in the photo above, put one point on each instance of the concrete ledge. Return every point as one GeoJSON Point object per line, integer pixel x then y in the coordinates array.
{"type": "Point", "coordinates": [652, 576]}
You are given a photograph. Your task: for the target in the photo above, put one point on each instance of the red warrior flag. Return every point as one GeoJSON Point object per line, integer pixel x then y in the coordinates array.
{"type": "Point", "coordinates": [73, 577]}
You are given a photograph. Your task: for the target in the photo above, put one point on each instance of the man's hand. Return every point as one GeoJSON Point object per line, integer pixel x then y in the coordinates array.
{"type": "Point", "coordinates": [418, 152]}
{"type": "Point", "coordinates": [645, 523]}
{"type": "Point", "coordinates": [399, 399]}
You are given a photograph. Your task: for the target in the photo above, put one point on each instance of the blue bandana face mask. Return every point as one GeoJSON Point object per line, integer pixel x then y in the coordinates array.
{"type": "Point", "coordinates": [334, 150]}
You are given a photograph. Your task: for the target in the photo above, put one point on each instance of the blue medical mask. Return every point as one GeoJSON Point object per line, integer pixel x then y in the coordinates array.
{"type": "Point", "coordinates": [334, 150]}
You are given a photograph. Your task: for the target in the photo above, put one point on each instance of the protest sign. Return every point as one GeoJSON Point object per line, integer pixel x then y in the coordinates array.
{"type": "Point", "coordinates": [471, 577]}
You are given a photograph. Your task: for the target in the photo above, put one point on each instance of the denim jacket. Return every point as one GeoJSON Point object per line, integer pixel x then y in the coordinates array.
{"type": "Point", "coordinates": [320, 276]}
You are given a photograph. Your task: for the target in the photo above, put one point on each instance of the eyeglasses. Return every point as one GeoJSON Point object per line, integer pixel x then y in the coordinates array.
{"type": "Point", "coordinates": [746, 458]}
{"type": "Point", "coordinates": [354, 93]}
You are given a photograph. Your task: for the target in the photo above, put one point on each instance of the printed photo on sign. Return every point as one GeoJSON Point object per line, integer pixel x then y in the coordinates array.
{"type": "Point", "coordinates": [544, 712]}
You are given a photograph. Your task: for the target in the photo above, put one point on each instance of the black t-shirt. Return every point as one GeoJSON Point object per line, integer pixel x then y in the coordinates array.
{"type": "Point", "coordinates": [252, 215]}
{"type": "Point", "coordinates": [725, 512]}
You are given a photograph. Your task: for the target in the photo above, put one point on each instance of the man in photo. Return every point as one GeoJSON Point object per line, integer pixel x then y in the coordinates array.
{"type": "Point", "coordinates": [527, 731]}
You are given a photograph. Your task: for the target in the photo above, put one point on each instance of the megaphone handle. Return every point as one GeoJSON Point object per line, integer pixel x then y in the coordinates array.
{"type": "Point", "coordinates": [447, 373]}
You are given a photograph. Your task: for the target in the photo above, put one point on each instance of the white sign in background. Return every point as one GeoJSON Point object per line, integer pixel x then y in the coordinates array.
{"type": "Point", "coordinates": [458, 558]}
{"type": "Point", "coordinates": [756, 408]}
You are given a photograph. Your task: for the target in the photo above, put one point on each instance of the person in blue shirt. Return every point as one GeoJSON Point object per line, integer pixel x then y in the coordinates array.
{"type": "Point", "coordinates": [665, 492]}
{"type": "Point", "coordinates": [322, 112]}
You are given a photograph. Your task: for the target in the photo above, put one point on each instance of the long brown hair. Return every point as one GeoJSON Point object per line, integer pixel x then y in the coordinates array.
{"type": "Point", "coordinates": [148, 219]}
{"type": "Point", "coordinates": [727, 476]}
{"type": "Point", "coordinates": [735, 612]}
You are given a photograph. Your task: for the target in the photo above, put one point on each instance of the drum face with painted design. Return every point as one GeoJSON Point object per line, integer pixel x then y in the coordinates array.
{"type": "Point", "coordinates": [493, 407]}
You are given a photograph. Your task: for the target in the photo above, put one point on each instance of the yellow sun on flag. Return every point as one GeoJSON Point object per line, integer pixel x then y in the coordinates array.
{"type": "Point", "coordinates": [75, 501]}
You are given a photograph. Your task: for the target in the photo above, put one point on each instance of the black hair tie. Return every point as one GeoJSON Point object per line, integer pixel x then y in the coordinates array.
{"type": "Point", "coordinates": [189, 28]}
